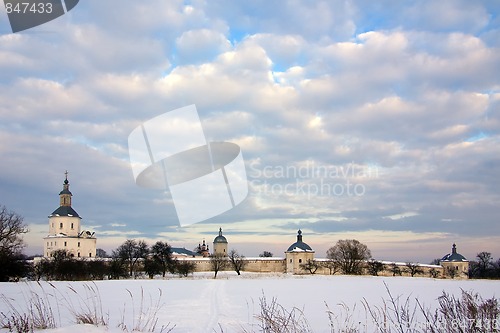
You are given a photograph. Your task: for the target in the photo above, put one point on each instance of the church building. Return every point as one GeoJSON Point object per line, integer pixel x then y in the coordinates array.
{"type": "Point", "coordinates": [65, 230]}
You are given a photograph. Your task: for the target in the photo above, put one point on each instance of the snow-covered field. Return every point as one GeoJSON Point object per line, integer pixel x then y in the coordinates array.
{"type": "Point", "coordinates": [226, 304]}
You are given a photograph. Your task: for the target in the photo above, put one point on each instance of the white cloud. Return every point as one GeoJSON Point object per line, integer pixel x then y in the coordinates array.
{"type": "Point", "coordinates": [201, 45]}
{"type": "Point", "coordinates": [403, 88]}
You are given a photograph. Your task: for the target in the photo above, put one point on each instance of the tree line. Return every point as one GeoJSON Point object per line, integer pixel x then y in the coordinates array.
{"type": "Point", "coordinates": [135, 257]}
{"type": "Point", "coordinates": [129, 260]}
{"type": "Point", "coordinates": [354, 258]}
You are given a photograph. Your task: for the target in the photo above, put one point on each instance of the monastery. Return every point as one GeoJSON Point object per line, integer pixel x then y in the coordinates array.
{"type": "Point", "coordinates": [65, 233]}
{"type": "Point", "coordinates": [299, 253]}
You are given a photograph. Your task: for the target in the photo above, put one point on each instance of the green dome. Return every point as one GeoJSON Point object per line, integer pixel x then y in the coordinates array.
{"type": "Point", "coordinates": [220, 238]}
{"type": "Point", "coordinates": [454, 255]}
{"type": "Point", "coordinates": [299, 245]}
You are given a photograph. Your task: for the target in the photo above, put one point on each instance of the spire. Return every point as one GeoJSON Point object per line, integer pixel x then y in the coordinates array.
{"type": "Point", "coordinates": [299, 236]}
{"type": "Point", "coordinates": [454, 249]}
{"type": "Point", "coordinates": [220, 231]}
{"type": "Point", "coordinates": [65, 194]}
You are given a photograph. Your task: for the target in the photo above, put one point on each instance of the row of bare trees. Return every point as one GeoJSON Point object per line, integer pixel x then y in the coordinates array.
{"type": "Point", "coordinates": [349, 256]}
{"type": "Point", "coordinates": [129, 260]}
{"type": "Point", "coordinates": [346, 256]}
{"type": "Point", "coordinates": [220, 262]}
{"type": "Point", "coordinates": [136, 255]}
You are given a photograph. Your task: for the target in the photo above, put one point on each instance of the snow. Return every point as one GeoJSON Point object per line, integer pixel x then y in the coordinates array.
{"type": "Point", "coordinates": [229, 303]}
{"type": "Point", "coordinates": [298, 249]}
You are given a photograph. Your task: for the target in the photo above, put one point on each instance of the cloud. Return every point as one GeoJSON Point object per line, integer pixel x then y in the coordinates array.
{"type": "Point", "coordinates": [202, 45]}
{"type": "Point", "coordinates": [409, 90]}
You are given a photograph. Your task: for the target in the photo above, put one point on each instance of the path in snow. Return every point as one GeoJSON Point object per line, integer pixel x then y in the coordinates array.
{"type": "Point", "coordinates": [201, 304]}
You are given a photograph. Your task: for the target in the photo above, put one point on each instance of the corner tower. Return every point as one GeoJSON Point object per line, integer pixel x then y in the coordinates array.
{"type": "Point", "coordinates": [298, 253]}
{"type": "Point", "coordinates": [455, 263]}
{"type": "Point", "coordinates": [220, 244]}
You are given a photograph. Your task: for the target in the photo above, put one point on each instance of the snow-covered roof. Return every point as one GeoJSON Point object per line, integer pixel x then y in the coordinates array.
{"type": "Point", "coordinates": [64, 211]}
{"type": "Point", "coordinates": [182, 251]}
{"type": "Point", "coordinates": [454, 256]}
{"type": "Point", "coordinates": [299, 245]}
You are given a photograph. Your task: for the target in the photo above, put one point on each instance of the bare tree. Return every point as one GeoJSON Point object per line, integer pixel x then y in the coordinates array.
{"type": "Point", "coordinates": [311, 266]}
{"type": "Point", "coordinates": [484, 264]}
{"type": "Point", "coordinates": [162, 255]}
{"type": "Point", "coordinates": [12, 261]}
{"type": "Point", "coordinates": [451, 272]}
{"type": "Point", "coordinates": [116, 268]}
{"type": "Point", "coordinates": [436, 261]}
{"type": "Point", "coordinates": [130, 252]}
{"type": "Point", "coordinates": [332, 265]}
{"type": "Point", "coordinates": [218, 262]}
{"type": "Point", "coordinates": [374, 267]}
{"type": "Point", "coordinates": [433, 273]}
{"type": "Point", "coordinates": [100, 253]}
{"type": "Point", "coordinates": [413, 268]}
{"type": "Point", "coordinates": [350, 255]}
{"type": "Point", "coordinates": [12, 228]}
{"type": "Point", "coordinates": [152, 267]}
{"type": "Point", "coordinates": [266, 254]}
{"type": "Point", "coordinates": [184, 267]}
{"type": "Point", "coordinates": [238, 261]}
{"type": "Point", "coordinates": [394, 269]}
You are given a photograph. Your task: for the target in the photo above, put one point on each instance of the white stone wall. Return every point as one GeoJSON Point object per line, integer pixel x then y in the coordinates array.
{"type": "Point", "coordinates": [79, 247]}
{"type": "Point", "coordinates": [295, 259]}
{"type": "Point", "coordinates": [220, 248]}
{"type": "Point", "coordinates": [68, 225]}
{"type": "Point", "coordinates": [461, 268]}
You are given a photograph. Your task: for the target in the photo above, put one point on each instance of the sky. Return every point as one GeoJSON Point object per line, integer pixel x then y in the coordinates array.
{"type": "Point", "coordinates": [377, 121]}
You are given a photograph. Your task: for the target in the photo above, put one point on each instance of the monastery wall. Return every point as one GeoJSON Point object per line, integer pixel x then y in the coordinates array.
{"type": "Point", "coordinates": [278, 265]}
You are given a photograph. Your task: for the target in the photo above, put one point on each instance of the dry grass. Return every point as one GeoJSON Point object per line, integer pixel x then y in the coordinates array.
{"type": "Point", "coordinates": [38, 315]}
{"type": "Point", "coordinates": [85, 307]}
{"type": "Point", "coordinates": [40, 309]}
{"type": "Point", "coordinates": [146, 320]}
{"type": "Point", "coordinates": [466, 314]}
{"type": "Point", "coordinates": [89, 309]}
{"type": "Point", "coordinates": [274, 318]}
